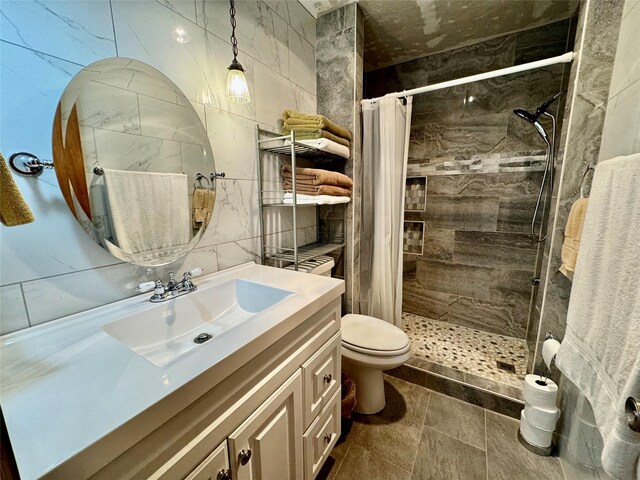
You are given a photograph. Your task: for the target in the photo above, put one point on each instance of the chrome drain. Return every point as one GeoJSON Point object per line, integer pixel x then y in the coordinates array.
{"type": "Point", "coordinates": [203, 337]}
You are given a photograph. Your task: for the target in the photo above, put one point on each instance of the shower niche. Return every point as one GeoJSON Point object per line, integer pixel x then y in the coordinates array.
{"type": "Point", "coordinates": [413, 238]}
{"type": "Point", "coordinates": [415, 195]}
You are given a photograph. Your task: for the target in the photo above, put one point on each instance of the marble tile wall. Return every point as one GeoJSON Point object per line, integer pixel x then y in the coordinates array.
{"type": "Point", "coordinates": [584, 139]}
{"type": "Point", "coordinates": [477, 118]}
{"type": "Point", "coordinates": [50, 269]}
{"type": "Point", "coordinates": [484, 170]}
{"type": "Point", "coordinates": [339, 71]}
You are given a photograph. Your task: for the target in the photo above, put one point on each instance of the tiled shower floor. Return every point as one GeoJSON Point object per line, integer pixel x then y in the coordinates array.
{"type": "Point", "coordinates": [486, 355]}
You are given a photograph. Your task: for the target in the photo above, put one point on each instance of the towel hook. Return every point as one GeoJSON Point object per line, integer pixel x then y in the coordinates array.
{"type": "Point", "coordinates": [584, 177]}
{"type": "Point", "coordinates": [28, 164]}
{"type": "Point", "coordinates": [199, 178]}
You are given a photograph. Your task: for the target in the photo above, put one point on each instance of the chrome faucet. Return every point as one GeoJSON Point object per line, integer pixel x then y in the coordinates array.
{"type": "Point", "coordinates": [173, 289]}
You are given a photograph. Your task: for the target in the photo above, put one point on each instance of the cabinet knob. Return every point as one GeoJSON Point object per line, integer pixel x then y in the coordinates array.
{"type": "Point", "coordinates": [328, 437]}
{"type": "Point", "coordinates": [244, 456]}
{"type": "Point", "coordinates": [224, 474]}
{"type": "Point", "coordinates": [327, 378]}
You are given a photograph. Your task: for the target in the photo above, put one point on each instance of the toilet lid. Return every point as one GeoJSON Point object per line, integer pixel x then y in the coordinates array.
{"type": "Point", "coordinates": [372, 334]}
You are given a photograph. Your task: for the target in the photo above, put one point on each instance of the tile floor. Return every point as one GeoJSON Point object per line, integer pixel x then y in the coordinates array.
{"type": "Point", "coordinates": [467, 350]}
{"type": "Point", "coordinates": [424, 435]}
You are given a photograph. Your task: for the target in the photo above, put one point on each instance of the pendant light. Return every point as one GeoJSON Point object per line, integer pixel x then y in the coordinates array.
{"type": "Point", "coordinates": [237, 88]}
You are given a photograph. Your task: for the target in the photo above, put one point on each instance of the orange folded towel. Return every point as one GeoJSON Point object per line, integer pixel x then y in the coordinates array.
{"type": "Point", "coordinates": [316, 176]}
{"type": "Point", "coordinates": [317, 189]}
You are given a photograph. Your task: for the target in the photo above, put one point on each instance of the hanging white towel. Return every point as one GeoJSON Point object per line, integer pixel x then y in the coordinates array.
{"type": "Point", "coordinates": [600, 352]}
{"type": "Point", "coordinates": [149, 211]}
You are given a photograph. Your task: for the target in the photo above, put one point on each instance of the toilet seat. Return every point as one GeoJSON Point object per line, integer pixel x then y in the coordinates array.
{"type": "Point", "coordinates": [372, 336]}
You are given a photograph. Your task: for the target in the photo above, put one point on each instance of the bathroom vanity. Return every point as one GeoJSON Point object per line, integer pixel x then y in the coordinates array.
{"type": "Point", "coordinates": [123, 391]}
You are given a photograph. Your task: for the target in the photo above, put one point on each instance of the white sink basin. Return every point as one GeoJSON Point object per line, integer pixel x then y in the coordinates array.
{"type": "Point", "coordinates": [165, 332]}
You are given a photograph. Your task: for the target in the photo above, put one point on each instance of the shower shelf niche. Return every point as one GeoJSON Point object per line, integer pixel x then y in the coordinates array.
{"type": "Point", "coordinates": [413, 238]}
{"type": "Point", "coordinates": [415, 195]}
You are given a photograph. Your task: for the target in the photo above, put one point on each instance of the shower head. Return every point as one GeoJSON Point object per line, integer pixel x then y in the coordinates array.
{"type": "Point", "coordinates": [533, 117]}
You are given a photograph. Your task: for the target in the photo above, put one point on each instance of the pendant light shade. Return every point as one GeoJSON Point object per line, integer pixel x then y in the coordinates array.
{"type": "Point", "coordinates": [237, 88]}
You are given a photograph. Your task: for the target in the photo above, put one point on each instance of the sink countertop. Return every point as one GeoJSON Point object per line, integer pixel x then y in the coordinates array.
{"type": "Point", "coordinates": [66, 384]}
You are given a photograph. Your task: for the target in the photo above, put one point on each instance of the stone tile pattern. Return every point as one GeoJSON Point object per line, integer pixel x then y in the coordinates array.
{"type": "Point", "coordinates": [599, 28]}
{"type": "Point", "coordinates": [422, 434]}
{"type": "Point", "coordinates": [43, 45]}
{"type": "Point", "coordinates": [484, 170]}
{"type": "Point", "coordinates": [339, 73]}
{"type": "Point", "coordinates": [478, 259]}
{"type": "Point", "coordinates": [413, 238]}
{"type": "Point", "coordinates": [415, 195]}
{"type": "Point", "coordinates": [466, 349]}
{"type": "Point", "coordinates": [477, 118]}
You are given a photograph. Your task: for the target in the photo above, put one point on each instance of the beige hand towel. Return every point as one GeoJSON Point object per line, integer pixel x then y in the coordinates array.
{"type": "Point", "coordinates": [14, 210]}
{"type": "Point", "coordinates": [317, 189]}
{"type": "Point", "coordinates": [316, 176]}
{"type": "Point", "coordinates": [292, 117]}
{"type": "Point", "coordinates": [572, 234]}
{"type": "Point", "coordinates": [305, 133]}
{"type": "Point", "coordinates": [203, 200]}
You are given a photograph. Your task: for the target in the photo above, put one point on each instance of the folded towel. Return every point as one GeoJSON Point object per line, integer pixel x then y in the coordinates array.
{"type": "Point", "coordinates": [572, 234]}
{"type": "Point", "coordinates": [599, 352]}
{"type": "Point", "coordinates": [293, 117]}
{"type": "Point", "coordinates": [316, 176]}
{"type": "Point", "coordinates": [14, 210]}
{"type": "Point", "coordinates": [203, 201]}
{"type": "Point", "coordinates": [317, 190]}
{"type": "Point", "coordinates": [325, 145]}
{"type": "Point", "coordinates": [313, 133]}
{"type": "Point", "coordinates": [149, 211]}
{"type": "Point", "coordinates": [302, 199]}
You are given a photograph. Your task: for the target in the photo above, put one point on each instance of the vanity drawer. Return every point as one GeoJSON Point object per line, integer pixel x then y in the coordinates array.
{"type": "Point", "coordinates": [321, 378]}
{"type": "Point", "coordinates": [322, 437]}
{"type": "Point", "coordinates": [214, 466]}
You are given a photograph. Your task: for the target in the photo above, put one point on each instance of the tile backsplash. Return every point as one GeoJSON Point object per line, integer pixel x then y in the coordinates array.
{"type": "Point", "coordinates": [50, 269]}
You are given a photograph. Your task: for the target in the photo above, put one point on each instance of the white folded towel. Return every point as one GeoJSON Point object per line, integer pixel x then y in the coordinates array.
{"type": "Point", "coordinates": [315, 199]}
{"type": "Point", "coordinates": [325, 145]}
{"type": "Point", "coordinates": [149, 211]}
{"type": "Point", "coordinates": [600, 352]}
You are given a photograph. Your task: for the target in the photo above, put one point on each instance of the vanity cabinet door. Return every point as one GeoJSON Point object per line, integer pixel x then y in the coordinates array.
{"type": "Point", "coordinates": [214, 467]}
{"type": "Point", "coordinates": [268, 445]}
{"type": "Point", "coordinates": [322, 436]}
{"type": "Point", "coordinates": [321, 377]}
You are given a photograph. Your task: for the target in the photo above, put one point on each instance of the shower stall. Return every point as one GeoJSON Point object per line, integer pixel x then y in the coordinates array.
{"type": "Point", "coordinates": [478, 186]}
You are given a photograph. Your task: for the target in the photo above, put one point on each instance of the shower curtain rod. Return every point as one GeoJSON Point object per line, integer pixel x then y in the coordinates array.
{"type": "Point", "coordinates": [565, 58]}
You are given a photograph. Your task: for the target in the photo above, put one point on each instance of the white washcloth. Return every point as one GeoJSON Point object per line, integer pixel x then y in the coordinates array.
{"type": "Point", "coordinates": [600, 352]}
{"type": "Point", "coordinates": [149, 211]}
{"type": "Point", "coordinates": [315, 199]}
{"type": "Point", "coordinates": [325, 145]}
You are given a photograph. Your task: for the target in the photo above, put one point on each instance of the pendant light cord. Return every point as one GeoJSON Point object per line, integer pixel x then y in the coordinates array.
{"type": "Point", "coordinates": [234, 41]}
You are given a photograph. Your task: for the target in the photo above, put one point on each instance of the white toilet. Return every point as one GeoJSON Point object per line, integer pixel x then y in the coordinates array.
{"type": "Point", "coordinates": [369, 347]}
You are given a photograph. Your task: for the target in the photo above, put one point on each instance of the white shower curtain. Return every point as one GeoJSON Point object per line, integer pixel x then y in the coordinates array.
{"type": "Point", "coordinates": [385, 150]}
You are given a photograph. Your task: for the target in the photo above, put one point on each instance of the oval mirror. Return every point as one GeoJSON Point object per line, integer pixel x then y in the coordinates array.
{"type": "Point", "coordinates": [134, 162]}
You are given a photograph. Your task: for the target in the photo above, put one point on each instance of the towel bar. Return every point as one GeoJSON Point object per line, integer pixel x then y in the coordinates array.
{"type": "Point", "coordinates": [28, 164]}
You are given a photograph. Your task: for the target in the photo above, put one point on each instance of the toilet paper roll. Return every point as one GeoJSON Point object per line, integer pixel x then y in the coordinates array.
{"type": "Point", "coordinates": [549, 349]}
{"type": "Point", "coordinates": [535, 436]}
{"type": "Point", "coordinates": [538, 394]}
{"type": "Point", "coordinates": [544, 418]}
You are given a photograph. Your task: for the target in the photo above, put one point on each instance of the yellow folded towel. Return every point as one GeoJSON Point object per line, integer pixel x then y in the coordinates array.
{"type": "Point", "coordinates": [304, 133]}
{"type": "Point", "coordinates": [13, 209]}
{"type": "Point", "coordinates": [292, 117]}
{"type": "Point", "coordinates": [203, 201]}
{"type": "Point", "coordinates": [317, 176]}
{"type": "Point", "coordinates": [572, 234]}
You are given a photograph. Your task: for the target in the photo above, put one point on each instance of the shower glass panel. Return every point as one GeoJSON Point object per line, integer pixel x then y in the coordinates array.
{"type": "Point", "coordinates": [470, 301]}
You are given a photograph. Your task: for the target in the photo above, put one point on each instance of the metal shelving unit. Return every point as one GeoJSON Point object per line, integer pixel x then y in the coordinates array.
{"type": "Point", "coordinates": [271, 149]}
